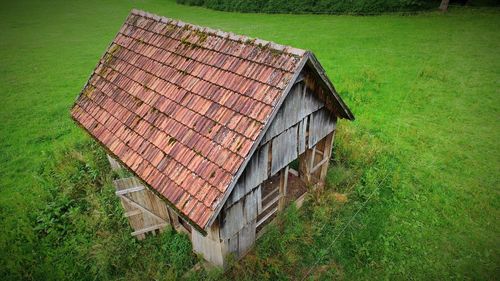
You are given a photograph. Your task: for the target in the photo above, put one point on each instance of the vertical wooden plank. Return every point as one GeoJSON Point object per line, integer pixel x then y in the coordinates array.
{"type": "Point", "coordinates": [305, 167]}
{"type": "Point", "coordinates": [313, 155]}
{"type": "Point", "coordinates": [301, 138]}
{"type": "Point", "coordinates": [283, 188]}
{"type": "Point", "coordinates": [246, 238]}
{"type": "Point", "coordinates": [236, 216]}
{"type": "Point", "coordinates": [233, 245]}
{"type": "Point", "coordinates": [209, 246]}
{"type": "Point", "coordinates": [322, 122]}
{"type": "Point", "coordinates": [284, 150]}
{"type": "Point", "coordinates": [250, 206]}
{"type": "Point", "coordinates": [310, 102]}
{"type": "Point", "coordinates": [259, 199]}
{"type": "Point", "coordinates": [161, 207]}
{"type": "Point", "coordinates": [327, 152]}
{"type": "Point", "coordinates": [232, 220]}
{"type": "Point", "coordinates": [141, 200]}
{"type": "Point", "coordinates": [254, 174]}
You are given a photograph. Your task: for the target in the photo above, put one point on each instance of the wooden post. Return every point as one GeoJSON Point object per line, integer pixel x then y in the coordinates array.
{"type": "Point", "coordinates": [305, 166]}
{"type": "Point", "coordinates": [327, 153]}
{"type": "Point", "coordinates": [282, 188]}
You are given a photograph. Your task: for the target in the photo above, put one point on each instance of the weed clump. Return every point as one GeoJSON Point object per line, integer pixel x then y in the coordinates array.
{"type": "Point", "coordinates": [82, 231]}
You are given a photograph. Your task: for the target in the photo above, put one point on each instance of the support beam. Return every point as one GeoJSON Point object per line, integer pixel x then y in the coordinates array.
{"type": "Point", "coordinates": [268, 205]}
{"type": "Point", "coordinates": [327, 154]}
{"type": "Point", "coordinates": [305, 166]}
{"type": "Point", "coordinates": [283, 188]}
{"type": "Point", "coordinates": [320, 165]}
{"type": "Point", "coordinates": [313, 154]}
{"type": "Point", "coordinates": [271, 194]}
{"type": "Point", "coordinates": [268, 215]}
{"type": "Point", "coordinates": [137, 205]}
{"type": "Point", "coordinates": [129, 190]}
{"type": "Point", "coordinates": [148, 229]}
{"type": "Point", "coordinates": [132, 213]}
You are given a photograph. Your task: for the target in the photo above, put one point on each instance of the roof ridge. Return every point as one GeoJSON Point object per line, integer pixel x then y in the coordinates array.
{"type": "Point", "coordinates": [223, 34]}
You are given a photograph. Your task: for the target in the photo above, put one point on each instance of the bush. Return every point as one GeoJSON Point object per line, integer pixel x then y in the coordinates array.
{"type": "Point", "coordinates": [315, 6]}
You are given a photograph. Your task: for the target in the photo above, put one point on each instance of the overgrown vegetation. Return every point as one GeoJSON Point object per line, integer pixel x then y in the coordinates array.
{"type": "Point", "coordinates": [81, 233]}
{"type": "Point", "coordinates": [413, 194]}
{"type": "Point", "coordinates": [365, 7]}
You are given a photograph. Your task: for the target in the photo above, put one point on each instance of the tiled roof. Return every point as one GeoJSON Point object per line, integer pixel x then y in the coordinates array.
{"type": "Point", "coordinates": [181, 105]}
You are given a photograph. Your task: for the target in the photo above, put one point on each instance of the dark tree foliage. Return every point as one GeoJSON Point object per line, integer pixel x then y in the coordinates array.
{"type": "Point", "coordinates": [316, 6]}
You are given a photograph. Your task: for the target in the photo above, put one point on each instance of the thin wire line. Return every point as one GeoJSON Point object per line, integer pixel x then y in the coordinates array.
{"type": "Point", "coordinates": [373, 192]}
{"type": "Point", "coordinates": [346, 226]}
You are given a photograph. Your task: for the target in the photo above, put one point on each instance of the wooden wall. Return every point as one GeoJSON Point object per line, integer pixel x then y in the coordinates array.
{"type": "Point", "coordinates": [286, 138]}
{"type": "Point", "coordinates": [209, 246]}
{"type": "Point", "coordinates": [300, 123]}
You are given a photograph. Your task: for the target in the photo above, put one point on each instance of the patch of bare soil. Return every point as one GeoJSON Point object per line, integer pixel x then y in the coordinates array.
{"type": "Point", "coordinates": [339, 197]}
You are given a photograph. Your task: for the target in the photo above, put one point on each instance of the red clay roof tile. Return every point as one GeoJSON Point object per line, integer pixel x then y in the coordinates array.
{"type": "Point", "coordinates": [182, 106]}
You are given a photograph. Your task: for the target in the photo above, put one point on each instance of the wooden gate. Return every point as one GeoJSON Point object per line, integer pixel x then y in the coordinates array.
{"type": "Point", "coordinates": [146, 212]}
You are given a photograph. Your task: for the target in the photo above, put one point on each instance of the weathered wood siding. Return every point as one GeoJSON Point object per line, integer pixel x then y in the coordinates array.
{"type": "Point", "coordinates": [300, 123]}
{"type": "Point", "coordinates": [208, 246]}
{"type": "Point", "coordinates": [287, 131]}
{"type": "Point", "coordinates": [284, 149]}
{"type": "Point", "coordinates": [236, 216]}
{"type": "Point", "coordinates": [321, 123]}
{"type": "Point", "coordinates": [299, 103]}
{"type": "Point", "coordinates": [254, 174]}
{"type": "Point", "coordinates": [287, 137]}
{"type": "Point", "coordinates": [237, 231]}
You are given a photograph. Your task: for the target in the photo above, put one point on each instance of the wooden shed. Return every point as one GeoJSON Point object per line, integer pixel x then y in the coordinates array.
{"type": "Point", "coordinates": [208, 123]}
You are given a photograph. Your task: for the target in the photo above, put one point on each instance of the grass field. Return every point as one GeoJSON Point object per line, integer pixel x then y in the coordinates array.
{"type": "Point", "coordinates": [419, 165]}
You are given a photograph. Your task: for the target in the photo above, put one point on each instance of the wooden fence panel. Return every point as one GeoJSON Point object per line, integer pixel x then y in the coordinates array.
{"type": "Point", "coordinates": [145, 211]}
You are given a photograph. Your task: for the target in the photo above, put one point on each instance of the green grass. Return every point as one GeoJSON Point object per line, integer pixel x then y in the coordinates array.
{"type": "Point", "coordinates": [419, 164]}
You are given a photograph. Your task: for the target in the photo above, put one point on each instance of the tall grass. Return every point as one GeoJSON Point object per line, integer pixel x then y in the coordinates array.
{"type": "Point", "coordinates": [80, 233]}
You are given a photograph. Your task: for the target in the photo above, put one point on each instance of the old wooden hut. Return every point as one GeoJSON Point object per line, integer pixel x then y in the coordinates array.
{"type": "Point", "coordinates": [208, 123]}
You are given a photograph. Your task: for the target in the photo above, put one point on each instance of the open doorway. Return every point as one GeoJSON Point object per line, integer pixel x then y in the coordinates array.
{"type": "Point", "coordinates": [276, 193]}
